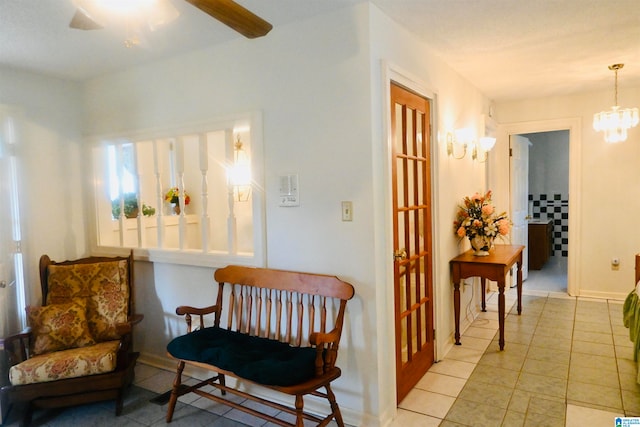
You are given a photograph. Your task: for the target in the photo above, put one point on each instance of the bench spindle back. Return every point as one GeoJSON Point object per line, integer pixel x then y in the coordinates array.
{"type": "Point", "coordinates": [281, 305]}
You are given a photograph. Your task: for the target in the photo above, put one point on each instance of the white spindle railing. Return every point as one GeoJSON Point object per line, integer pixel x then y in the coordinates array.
{"type": "Point", "coordinates": [161, 161]}
{"type": "Point", "coordinates": [141, 235]}
{"type": "Point", "coordinates": [120, 168]}
{"type": "Point", "coordinates": [159, 195]}
{"type": "Point", "coordinates": [232, 226]}
{"type": "Point", "coordinates": [203, 154]}
{"type": "Point", "coordinates": [182, 223]}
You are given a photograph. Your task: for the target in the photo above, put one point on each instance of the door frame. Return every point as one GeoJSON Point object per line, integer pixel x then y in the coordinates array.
{"type": "Point", "coordinates": [499, 179]}
{"type": "Point", "coordinates": [396, 74]}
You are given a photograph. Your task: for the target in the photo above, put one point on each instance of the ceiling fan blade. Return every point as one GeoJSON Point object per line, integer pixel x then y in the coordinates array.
{"type": "Point", "coordinates": [80, 21]}
{"type": "Point", "coordinates": [235, 16]}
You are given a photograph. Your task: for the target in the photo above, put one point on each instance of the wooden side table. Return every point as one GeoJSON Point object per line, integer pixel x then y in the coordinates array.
{"type": "Point", "coordinates": [494, 267]}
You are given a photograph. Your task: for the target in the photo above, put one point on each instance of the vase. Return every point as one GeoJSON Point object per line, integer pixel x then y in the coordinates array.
{"type": "Point", "coordinates": [481, 245]}
{"type": "Point", "coordinates": [176, 208]}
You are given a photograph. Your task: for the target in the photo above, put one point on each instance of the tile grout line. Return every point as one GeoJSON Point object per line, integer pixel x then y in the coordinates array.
{"type": "Point", "coordinates": [615, 356]}
{"type": "Point", "coordinates": [566, 388]}
{"type": "Point", "coordinates": [526, 413]}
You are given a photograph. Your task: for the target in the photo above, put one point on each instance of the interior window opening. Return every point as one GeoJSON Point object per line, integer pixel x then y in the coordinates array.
{"type": "Point", "coordinates": [189, 193]}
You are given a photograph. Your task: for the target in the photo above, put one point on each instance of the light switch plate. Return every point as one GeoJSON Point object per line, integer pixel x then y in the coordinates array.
{"type": "Point", "coordinates": [347, 211]}
{"type": "Point", "coordinates": [288, 193]}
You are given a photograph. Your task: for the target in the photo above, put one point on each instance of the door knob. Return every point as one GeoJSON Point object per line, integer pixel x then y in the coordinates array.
{"type": "Point", "coordinates": [3, 284]}
{"type": "Point", "coordinates": [400, 254]}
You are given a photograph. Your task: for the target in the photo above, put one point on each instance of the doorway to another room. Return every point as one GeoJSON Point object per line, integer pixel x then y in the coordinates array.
{"type": "Point", "coordinates": [548, 211]}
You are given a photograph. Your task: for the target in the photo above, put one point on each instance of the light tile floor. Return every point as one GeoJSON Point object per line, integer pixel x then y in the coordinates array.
{"type": "Point", "coordinates": [567, 362]}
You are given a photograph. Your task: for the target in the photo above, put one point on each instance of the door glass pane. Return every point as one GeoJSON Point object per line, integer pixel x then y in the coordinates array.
{"type": "Point", "coordinates": [421, 226]}
{"type": "Point", "coordinates": [402, 244]}
{"type": "Point", "coordinates": [412, 285]}
{"type": "Point", "coordinates": [405, 341]}
{"type": "Point", "coordinates": [420, 184]}
{"type": "Point", "coordinates": [400, 176]}
{"type": "Point", "coordinates": [411, 176]}
{"type": "Point", "coordinates": [419, 137]}
{"type": "Point", "coordinates": [398, 133]}
{"type": "Point", "coordinates": [425, 324]}
{"type": "Point", "coordinates": [409, 135]}
{"type": "Point", "coordinates": [411, 227]}
{"type": "Point", "coordinates": [401, 289]}
{"type": "Point", "coordinates": [414, 335]}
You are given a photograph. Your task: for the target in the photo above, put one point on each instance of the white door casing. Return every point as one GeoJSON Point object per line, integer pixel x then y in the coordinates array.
{"type": "Point", "coordinates": [519, 189]}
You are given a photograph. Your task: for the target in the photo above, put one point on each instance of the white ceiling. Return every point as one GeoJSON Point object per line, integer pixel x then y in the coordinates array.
{"type": "Point", "coordinates": [509, 49]}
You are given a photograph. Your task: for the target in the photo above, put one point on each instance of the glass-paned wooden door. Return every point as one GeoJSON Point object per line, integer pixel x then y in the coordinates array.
{"type": "Point", "coordinates": [413, 289]}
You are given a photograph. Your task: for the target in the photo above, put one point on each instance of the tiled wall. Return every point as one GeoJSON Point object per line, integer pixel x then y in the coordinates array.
{"type": "Point", "coordinates": [556, 208]}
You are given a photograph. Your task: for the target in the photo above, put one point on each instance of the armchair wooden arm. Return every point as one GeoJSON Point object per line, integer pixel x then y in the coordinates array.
{"type": "Point", "coordinates": [127, 327]}
{"type": "Point", "coordinates": [17, 346]}
{"type": "Point", "coordinates": [188, 311]}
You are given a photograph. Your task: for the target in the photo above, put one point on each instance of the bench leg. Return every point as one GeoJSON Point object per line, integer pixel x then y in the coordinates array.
{"type": "Point", "coordinates": [222, 382]}
{"type": "Point", "coordinates": [299, 411]}
{"type": "Point", "coordinates": [334, 406]}
{"type": "Point", "coordinates": [174, 393]}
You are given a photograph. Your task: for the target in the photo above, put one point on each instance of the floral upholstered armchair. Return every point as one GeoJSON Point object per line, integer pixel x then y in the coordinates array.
{"type": "Point", "coordinates": [78, 347]}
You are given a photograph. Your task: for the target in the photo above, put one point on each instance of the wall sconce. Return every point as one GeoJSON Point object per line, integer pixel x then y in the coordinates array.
{"type": "Point", "coordinates": [240, 173]}
{"type": "Point", "coordinates": [486, 143]}
{"type": "Point", "coordinates": [462, 139]}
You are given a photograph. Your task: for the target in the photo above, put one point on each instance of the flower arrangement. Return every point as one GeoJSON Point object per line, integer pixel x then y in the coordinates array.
{"type": "Point", "coordinates": [477, 217]}
{"type": "Point", "coordinates": [173, 196]}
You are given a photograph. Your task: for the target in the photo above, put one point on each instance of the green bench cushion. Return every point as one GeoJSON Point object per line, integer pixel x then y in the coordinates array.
{"type": "Point", "coordinates": [261, 360]}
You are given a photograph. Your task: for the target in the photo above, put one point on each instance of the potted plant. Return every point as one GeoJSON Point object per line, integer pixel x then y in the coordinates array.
{"type": "Point", "coordinates": [130, 207]}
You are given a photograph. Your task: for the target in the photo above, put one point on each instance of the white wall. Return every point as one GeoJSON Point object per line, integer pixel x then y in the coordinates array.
{"type": "Point", "coordinates": [549, 162]}
{"type": "Point", "coordinates": [48, 151]}
{"type": "Point", "coordinates": [398, 55]}
{"type": "Point", "coordinates": [607, 184]}
{"type": "Point", "coordinates": [319, 86]}
{"type": "Point", "coordinates": [311, 85]}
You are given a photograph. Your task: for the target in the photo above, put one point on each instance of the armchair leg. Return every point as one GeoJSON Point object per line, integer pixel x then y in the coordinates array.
{"type": "Point", "coordinates": [174, 393]}
{"type": "Point", "coordinates": [119, 400]}
{"type": "Point", "coordinates": [26, 416]}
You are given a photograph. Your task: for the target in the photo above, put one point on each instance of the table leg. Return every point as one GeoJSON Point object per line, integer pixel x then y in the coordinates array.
{"type": "Point", "coordinates": [519, 275]}
{"type": "Point", "coordinates": [483, 290]}
{"type": "Point", "coordinates": [456, 309]}
{"type": "Point", "coordinates": [501, 307]}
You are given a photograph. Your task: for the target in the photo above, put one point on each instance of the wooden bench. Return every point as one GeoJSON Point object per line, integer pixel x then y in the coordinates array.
{"type": "Point", "coordinates": [281, 331]}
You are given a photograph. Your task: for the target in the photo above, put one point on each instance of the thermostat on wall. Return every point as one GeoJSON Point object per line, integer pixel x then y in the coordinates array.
{"type": "Point", "coordinates": [289, 191]}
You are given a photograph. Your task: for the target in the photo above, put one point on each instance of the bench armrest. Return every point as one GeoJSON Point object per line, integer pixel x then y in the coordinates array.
{"type": "Point", "coordinates": [17, 346]}
{"type": "Point", "coordinates": [188, 311]}
{"type": "Point", "coordinates": [326, 349]}
{"type": "Point", "coordinates": [320, 338]}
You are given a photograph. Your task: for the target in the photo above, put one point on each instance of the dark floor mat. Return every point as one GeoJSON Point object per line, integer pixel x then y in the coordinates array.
{"type": "Point", "coordinates": [163, 398]}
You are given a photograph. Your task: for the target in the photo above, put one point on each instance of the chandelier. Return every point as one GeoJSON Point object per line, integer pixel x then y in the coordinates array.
{"type": "Point", "coordinates": [616, 121]}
